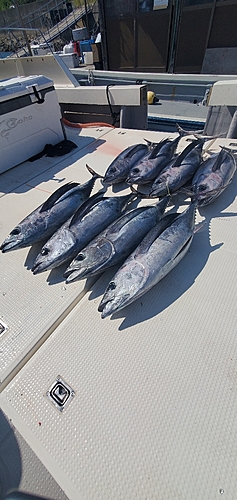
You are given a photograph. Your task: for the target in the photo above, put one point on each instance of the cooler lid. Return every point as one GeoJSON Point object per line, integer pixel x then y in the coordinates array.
{"type": "Point", "coordinates": [22, 85]}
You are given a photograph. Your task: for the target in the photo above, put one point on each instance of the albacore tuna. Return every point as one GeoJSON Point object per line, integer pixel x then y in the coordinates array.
{"type": "Point", "coordinates": [118, 170]}
{"type": "Point", "coordinates": [153, 163]}
{"type": "Point", "coordinates": [180, 171]}
{"type": "Point", "coordinates": [48, 217]}
{"type": "Point", "coordinates": [91, 218]}
{"type": "Point", "coordinates": [158, 253]}
{"type": "Point", "coordinates": [116, 242]}
{"type": "Point", "coordinates": [213, 176]}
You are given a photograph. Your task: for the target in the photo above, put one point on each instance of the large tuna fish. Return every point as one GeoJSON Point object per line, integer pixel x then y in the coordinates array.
{"type": "Point", "coordinates": [48, 217]}
{"type": "Point", "coordinates": [116, 242]}
{"type": "Point", "coordinates": [118, 170]}
{"type": "Point", "coordinates": [177, 173]}
{"type": "Point", "coordinates": [151, 165]}
{"type": "Point", "coordinates": [159, 252]}
{"type": "Point", "coordinates": [89, 220]}
{"type": "Point", "coordinates": [213, 176]}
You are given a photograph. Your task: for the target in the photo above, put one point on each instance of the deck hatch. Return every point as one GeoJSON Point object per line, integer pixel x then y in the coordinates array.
{"type": "Point", "coordinates": [60, 394]}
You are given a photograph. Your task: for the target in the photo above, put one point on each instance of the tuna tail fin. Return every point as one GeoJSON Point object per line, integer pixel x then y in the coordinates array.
{"type": "Point", "coordinates": [198, 134]}
{"type": "Point", "coordinates": [183, 132]}
{"type": "Point", "coordinates": [151, 145]}
{"type": "Point", "coordinates": [142, 195]}
{"type": "Point", "coordinates": [93, 173]}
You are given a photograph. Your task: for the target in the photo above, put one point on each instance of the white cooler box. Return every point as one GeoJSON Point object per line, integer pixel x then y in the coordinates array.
{"type": "Point", "coordinates": [30, 118]}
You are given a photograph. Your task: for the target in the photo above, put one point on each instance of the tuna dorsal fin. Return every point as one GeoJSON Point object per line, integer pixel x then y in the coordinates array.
{"type": "Point", "coordinates": [59, 193]}
{"type": "Point", "coordinates": [155, 232]}
{"type": "Point", "coordinates": [185, 152]}
{"type": "Point", "coordinates": [85, 208]}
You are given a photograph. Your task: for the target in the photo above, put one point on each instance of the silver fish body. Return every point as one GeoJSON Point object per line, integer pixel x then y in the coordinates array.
{"type": "Point", "coordinates": [151, 165]}
{"type": "Point", "coordinates": [118, 170]}
{"type": "Point", "coordinates": [159, 252]}
{"type": "Point", "coordinates": [213, 176]}
{"type": "Point", "coordinates": [92, 217]}
{"type": "Point", "coordinates": [48, 217]}
{"type": "Point", "coordinates": [178, 172]}
{"type": "Point", "coordinates": [116, 242]}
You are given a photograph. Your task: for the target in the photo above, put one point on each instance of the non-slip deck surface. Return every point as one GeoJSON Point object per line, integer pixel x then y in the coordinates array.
{"type": "Point", "coordinates": [153, 412]}
{"type": "Point", "coordinates": [31, 305]}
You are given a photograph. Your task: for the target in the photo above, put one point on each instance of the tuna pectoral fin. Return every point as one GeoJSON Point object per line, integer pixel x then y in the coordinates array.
{"type": "Point", "coordinates": [59, 193]}
{"type": "Point", "coordinates": [134, 149]}
{"type": "Point", "coordinates": [176, 258]}
{"type": "Point", "coordinates": [154, 233]}
{"type": "Point", "coordinates": [185, 152]}
{"type": "Point", "coordinates": [218, 161]}
{"type": "Point", "coordinates": [180, 255]}
{"type": "Point", "coordinates": [121, 222]}
{"type": "Point", "coordinates": [85, 208]}
{"type": "Point", "coordinates": [158, 147]}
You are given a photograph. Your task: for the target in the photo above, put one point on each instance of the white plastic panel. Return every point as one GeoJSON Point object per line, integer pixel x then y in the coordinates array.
{"type": "Point", "coordinates": [223, 93]}
{"type": "Point", "coordinates": [25, 129]}
{"type": "Point", "coordinates": [51, 66]}
{"type": "Point", "coordinates": [123, 95]}
{"type": "Point", "coordinates": [154, 411]}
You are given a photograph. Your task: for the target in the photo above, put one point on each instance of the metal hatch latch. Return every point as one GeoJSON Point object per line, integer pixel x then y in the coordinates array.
{"type": "Point", "coordinates": [60, 394]}
{"type": "Point", "coordinates": [3, 327]}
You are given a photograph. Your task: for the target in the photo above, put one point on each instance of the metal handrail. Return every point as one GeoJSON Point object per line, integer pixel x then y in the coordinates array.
{"type": "Point", "coordinates": [44, 9]}
{"type": "Point", "coordinates": [46, 36]}
{"type": "Point", "coordinates": [28, 29]}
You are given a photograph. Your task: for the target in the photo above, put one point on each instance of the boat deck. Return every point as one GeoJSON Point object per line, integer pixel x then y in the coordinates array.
{"type": "Point", "coordinates": [165, 115]}
{"type": "Point", "coordinates": [153, 389]}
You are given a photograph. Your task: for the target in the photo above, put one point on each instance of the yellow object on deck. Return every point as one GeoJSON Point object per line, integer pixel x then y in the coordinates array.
{"type": "Point", "coordinates": [151, 97]}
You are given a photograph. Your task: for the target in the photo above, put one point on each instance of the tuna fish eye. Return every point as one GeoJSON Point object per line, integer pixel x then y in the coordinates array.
{"type": "Point", "coordinates": [80, 256]}
{"type": "Point", "coordinates": [15, 231]}
{"type": "Point", "coordinates": [112, 285]}
{"type": "Point", "coordinates": [44, 251]}
{"type": "Point", "coordinates": [135, 170]}
{"type": "Point", "coordinates": [113, 169]}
